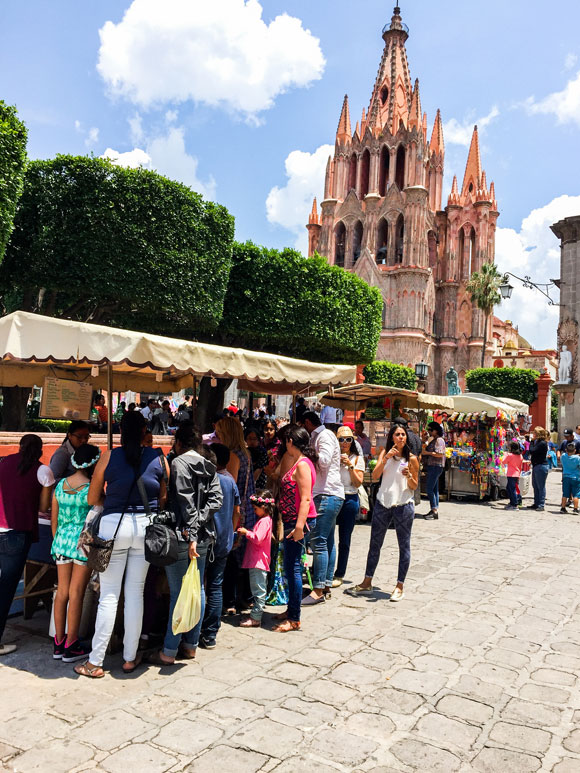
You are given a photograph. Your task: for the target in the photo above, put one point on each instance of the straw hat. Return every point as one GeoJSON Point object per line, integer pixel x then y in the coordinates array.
{"type": "Point", "coordinates": [344, 432]}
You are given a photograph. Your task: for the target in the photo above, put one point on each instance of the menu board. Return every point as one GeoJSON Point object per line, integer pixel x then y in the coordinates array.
{"type": "Point", "coordinates": [62, 399]}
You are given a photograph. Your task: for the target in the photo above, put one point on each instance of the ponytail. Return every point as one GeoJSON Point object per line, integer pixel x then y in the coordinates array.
{"type": "Point", "coordinates": [133, 427]}
{"type": "Point", "coordinates": [30, 453]}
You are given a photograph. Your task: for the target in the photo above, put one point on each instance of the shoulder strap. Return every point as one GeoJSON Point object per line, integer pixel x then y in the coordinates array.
{"type": "Point", "coordinates": [136, 475]}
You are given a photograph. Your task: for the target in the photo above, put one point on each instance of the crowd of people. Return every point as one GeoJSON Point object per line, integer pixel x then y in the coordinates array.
{"type": "Point", "coordinates": [248, 501]}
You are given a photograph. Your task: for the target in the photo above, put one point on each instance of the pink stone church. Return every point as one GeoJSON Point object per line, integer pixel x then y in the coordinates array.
{"type": "Point", "coordinates": [382, 219]}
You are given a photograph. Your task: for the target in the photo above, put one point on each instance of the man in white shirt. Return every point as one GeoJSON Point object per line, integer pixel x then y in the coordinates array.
{"type": "Point", "coordinates": [328, 415]}
{"type": "Point", "coordinates": [328, 492]}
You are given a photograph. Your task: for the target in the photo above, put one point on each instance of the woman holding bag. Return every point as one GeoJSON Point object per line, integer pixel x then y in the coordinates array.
{"type": "Point", "coordinates": [194, 496]}
{"type": "Point", "coordinates": [114, 485]}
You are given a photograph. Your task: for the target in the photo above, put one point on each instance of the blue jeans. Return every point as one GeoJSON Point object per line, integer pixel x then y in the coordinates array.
{"type": "Point", "coordinates": [214, 580]}
{"type": "Point", "coordinates": [345, 522]}
{"type": "Point", "coordinates": [433, 474]}
{"type": "Point", "coordinates": [293, 571]}
{"type": "Point", "coordinates": [322, 540]}
{"type": "Point", "coordinates": [386, 517]}
{"type": "Point", "coordinates": [258, 583]}
{"type": "Point", "coordinates": [511, 491]}
{"type": "Point", "coordinates": [14, 547]}
{"type": "Point", "coordinates": [175, 574]}
{"type": "Point", "coordinates": [539, 477]}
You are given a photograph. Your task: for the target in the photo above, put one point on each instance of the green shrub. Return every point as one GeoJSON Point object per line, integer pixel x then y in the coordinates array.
{"type": "Point", "coordinates": [282, 302]}
{"type": "Point", "coordinates": [47, 425]}
{"type": "Point", "coordinates": [12, 165]}
{"type": "Point", "coordinates": [388, 373]}
{"type": "Point", "coordinates": [515, 383]}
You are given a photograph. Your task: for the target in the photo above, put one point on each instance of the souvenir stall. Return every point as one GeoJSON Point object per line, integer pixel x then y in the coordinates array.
{"type": "Point", "coordinates": [476, 434]}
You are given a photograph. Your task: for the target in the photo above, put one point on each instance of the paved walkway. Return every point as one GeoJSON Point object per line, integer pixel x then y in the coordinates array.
{"type": "Point", "coordinates": [476, 670]}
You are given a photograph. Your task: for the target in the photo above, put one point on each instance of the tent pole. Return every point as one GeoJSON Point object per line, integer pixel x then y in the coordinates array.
{"type": "Point", "coordinates": [293, 407]}
{"type": "Point", "coordinates": [109, 406]}
{"type": "Point", "coordinates": [194, 401]}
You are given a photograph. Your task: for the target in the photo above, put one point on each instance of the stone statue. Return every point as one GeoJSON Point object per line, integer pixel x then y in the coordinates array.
{"type": "Point", "coordinates": [565, 367]}
{"type": "Point", "coordinates": [452, 382]}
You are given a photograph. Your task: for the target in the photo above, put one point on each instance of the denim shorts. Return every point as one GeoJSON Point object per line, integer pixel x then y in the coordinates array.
{"type": "Point", "coordinates": [570, 487]}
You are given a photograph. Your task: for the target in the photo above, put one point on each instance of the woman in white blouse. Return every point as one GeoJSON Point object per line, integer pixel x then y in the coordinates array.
{"type": "Point", "coordinates": [352, 470]}
{"type": "Point", "coordinates": [398, 470]}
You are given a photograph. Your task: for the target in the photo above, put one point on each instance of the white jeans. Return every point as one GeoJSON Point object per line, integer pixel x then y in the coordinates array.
{"type": "Point", "coordinates": [128, 559]}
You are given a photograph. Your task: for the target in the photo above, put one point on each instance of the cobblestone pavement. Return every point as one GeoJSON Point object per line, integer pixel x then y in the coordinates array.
{"type": "Point", "coordinates": [475, 670]}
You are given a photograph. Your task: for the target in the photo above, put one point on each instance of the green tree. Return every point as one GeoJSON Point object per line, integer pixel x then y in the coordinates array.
{"type": "Point", "coordinates": [125, 247]}
{"type": "Point", "coordinates": [516, 383]}
{"type": "Point", "coordinates": [388, 373]}
{"type": "Point", "coordinates": [12, 165]}
{"type": "Point", "coordinates": [484, 290]}
{"type": "Point", "coordinates": [280, 301]}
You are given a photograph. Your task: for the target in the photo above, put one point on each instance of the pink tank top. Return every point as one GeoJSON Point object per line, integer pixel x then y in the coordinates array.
{"type": "Point", "coordinates": [289, 500]}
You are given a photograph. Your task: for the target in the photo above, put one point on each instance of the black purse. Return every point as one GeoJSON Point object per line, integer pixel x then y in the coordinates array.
{"type": "Point", "coordinates": [161, 545]}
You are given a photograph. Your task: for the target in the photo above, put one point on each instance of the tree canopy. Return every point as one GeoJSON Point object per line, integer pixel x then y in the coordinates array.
{"type": "Point", "coordinates": [12, 166]}
{"type": "Point", "coordinates": [125, 247]}
{"type": "Point", "coordinates": [388, 373]}
{"type": "Point", "coordinates": [282, 302]}
{"type": "Point", "coordinates": [516, 383]}
{"type": "Point", "coordinates": [483, 288]}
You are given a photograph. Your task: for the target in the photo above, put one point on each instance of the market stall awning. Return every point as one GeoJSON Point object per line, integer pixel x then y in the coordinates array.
{"type": "Point", "coordinates": [361, 394]}
{"type": "Point", "coordinates": [33, 346]}
{"type": "Point", "coordinates": [475, 402]}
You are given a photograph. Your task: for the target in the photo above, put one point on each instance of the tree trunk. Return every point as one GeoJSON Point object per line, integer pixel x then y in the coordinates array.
{"type": "Point", "coordinates": [210, 401]}
{"type": "Point", "coordinates": [14, 408]}
{"type": "Point", "coordinates": [484, 340]}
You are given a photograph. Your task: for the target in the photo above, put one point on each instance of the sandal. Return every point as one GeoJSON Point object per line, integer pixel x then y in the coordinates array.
{"type": "Point", "coordinates": [155, 659]}
{"type": "Point", "coordinates": [87, 669]}
{"type": "Point", "coordinates": [287, 625]}
{"type": "Point", "coordinates": [184, 653]}
{"type": "Point", "coordinates": [136, 664]}
{"type": "Point", "coordinates": [281, 616]}
{"type": "Point", "coordinates": [249, 622]}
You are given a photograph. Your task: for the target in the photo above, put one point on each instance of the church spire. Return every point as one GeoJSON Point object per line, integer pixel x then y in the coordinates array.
{"type": "Point", "coordinates": [454, 195]}
{"type": "Point", "coordinates": [343, 132]}
{"type": "Point", "coordinates": [437, 144]}
{"type": "Point", "coordinates": [472, 177]}
{"type": "Point", "coordinates": [313, 218]}
{"type": "Point", "coordinates": [415, 119]}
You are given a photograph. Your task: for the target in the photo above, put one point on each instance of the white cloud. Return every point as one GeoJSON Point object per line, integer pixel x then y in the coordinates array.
{"type": "Point", "coordinates": [92, 136]}
{"type": "Point", "coordinates": [534, 251]}
{"type": "Point", "coordinates": [132, 158]}
{"type": "Point", "coordinates": [460, 133]}
{"type": "Point", "coordinates": [167, 155]}
{"type": "Point", "coordinates": [171, 116]}
{"type": "Point", "coordinates": [221, 53]}
{"type": "Point", "coordinates": [565, 104]}
{"type": "Point", "coordinates": [136, 129]}
{"type": "Point", "coordinates": [570, 61]}
{"type": "Point", "coordinates": [78, 125]}
{"type": "Point", "coordinates": [290, 205]}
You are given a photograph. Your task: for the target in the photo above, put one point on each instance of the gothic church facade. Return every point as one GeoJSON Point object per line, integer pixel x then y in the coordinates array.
{"type": "Point", "coordinates": [381, 218]}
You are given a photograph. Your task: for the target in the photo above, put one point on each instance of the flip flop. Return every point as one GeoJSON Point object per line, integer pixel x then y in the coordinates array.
{"type": "Point", "coordinates": [137, 662]}
{"type": "Point", "coordinates": [154, 658]}
{"type": "Point", "coordinates": [87, 669]}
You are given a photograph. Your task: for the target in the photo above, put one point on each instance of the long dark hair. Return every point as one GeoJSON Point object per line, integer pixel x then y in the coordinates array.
{"type": "Point", "coordinates": [86, 455]}
{"type": "Point", "coordinates": [406, 452]}
{"type": "Point", "coordinates": [30, 453]}
{"type": "Point", "coordinates": [301, 439]}
{"type": "Point", "coordinates": [189, 436]}
{"type": "Point", "coordinates": [133, 427]}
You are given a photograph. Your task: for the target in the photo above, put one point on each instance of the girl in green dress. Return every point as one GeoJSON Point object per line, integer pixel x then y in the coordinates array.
{"type": "Point", "coordinates": [69, 511]}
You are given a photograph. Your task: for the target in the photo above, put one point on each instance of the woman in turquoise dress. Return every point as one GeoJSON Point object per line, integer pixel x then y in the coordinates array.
{"type": "Point", "coordinates": [69, 512]}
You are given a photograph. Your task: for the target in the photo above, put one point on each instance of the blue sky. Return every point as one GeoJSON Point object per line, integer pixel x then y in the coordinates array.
{"type": "Point", "coordinates": [238, 99]}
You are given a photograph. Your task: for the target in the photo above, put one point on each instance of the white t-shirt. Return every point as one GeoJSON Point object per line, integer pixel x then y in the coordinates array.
{"type": "Point", "coordinates": [45, 477]}
{"type": "Point", "coordinates": [359, 464]}
{"type": "Point", "coordinates": [394, 490]}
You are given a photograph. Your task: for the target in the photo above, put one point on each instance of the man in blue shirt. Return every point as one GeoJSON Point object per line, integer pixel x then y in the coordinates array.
{"type": "Point", "coordinates": [226, 520]}
{"type": "Point", "coordinates": [570, 477]}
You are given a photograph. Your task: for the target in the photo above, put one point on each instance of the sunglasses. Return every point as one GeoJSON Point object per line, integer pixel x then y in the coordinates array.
{"type": "Point", "coordinates": [345, 440]}
{"type": "Point", "coordinates": [81, 437]}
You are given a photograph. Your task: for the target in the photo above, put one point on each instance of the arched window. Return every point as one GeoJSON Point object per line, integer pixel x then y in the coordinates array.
{"type": "Point", "coordinates": [432, 244]}
{"type": "Point", "coordinates": [352, 172]}
{"type": "Point", "coordinates": [357, 236]}
{"type": "Point", "coordinates": [384, 162]}
{"type": "Point", "coordinates": [339, 244]}
{"type": "Point", "coordinates": [460, 250]}
{"type": "Point", "coordinates": [399, 239]}
{"type": "Point", "coordinates": [382, 242]}
{"type": "Point", "coordinates": [400, 168]}
{"type": "Point", "coordinates": [471, 264]}
{"type": "Point", "coordinates": [384, 95]}
{"type": "Point", "coordinates": [365, 173]}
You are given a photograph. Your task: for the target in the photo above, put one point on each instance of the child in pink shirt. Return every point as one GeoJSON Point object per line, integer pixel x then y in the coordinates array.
{"type": "Point", "coordinates": [257, 554]}
{"type": "Point", "coordinates": [513, 462]}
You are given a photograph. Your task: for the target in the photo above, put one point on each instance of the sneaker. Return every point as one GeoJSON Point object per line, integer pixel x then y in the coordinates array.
{"type": "Point", "coordinates": [337, 582]}
{"type": "Point", "coordinates": [563, 510]}
{"type": "Point", "coordinates": [531, 507]}
{"type": "Point", "coordinates": [511, 507]}
{"type": "Point", "coordinates": [397, 594]}
{"type": "Point", "coordinates": [7, 649]}
{"type": "Point", "coordinates": [358, 590]}
{"type": "Point", "coordinates": [76, 651]}
{"type": "Point", "coordinates": [576, 510]}
{"type": "Point", "coordinates": [207, 644]}
{"type": "Point", "coordinates": [58, 649]}
{"type": "Point", "coordinates": [539, 509]}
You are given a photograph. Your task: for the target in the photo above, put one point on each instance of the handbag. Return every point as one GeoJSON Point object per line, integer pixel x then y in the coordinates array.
{"type": "Point", "coordinates": [161, 545]}
{"type": "Point", "coordinates": [99, 550]}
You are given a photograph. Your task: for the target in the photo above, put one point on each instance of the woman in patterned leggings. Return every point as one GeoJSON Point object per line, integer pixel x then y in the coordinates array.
{"type": "Point", "coordinates": [398, 470]}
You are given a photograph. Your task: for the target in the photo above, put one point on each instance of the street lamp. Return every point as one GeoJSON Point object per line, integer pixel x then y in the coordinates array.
{"type": "Point", "coordinates": [506, 289]}
{"type": "Point", "coordinates": [421, 370]}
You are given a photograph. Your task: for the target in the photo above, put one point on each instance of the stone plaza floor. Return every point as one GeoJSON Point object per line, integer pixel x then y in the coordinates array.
{"type": "Point", "coordinates": [477, 669]}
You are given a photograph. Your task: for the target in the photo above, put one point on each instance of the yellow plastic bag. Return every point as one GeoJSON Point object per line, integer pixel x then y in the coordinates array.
{"type": "Point", "coordinates": [188, 605]}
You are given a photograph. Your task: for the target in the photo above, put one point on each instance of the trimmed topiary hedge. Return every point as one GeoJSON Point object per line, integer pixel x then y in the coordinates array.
{"type": "Point", "coordinates": [388, 373]}
{"type": "Point", "coordinates": [516, 383]}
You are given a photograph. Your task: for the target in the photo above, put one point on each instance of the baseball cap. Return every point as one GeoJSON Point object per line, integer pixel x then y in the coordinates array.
{"type": "Point", "coordinates": [568, 432]}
